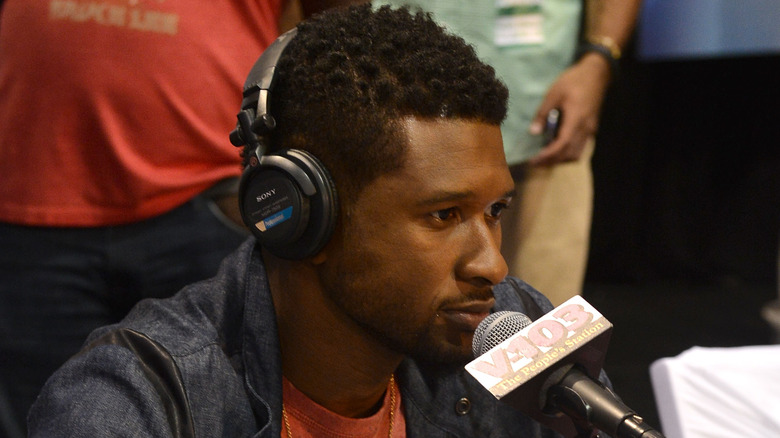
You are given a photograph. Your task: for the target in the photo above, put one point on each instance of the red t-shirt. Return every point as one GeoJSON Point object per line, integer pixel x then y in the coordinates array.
{"type": "Point", "coordinates": [115, 111]}
{"type": "Point", "coordinates": [307, 419]}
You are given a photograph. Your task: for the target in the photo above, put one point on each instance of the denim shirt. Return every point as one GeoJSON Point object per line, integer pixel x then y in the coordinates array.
{"type": "Point", "coordinates": [206, 362]}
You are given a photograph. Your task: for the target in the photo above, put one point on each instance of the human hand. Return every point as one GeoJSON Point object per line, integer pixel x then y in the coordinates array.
{"type": "Point", "coordinates": [578, 93]}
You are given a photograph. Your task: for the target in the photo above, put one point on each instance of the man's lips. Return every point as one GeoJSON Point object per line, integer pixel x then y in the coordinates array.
{"type": "Point", "coordinates": [467, 316]}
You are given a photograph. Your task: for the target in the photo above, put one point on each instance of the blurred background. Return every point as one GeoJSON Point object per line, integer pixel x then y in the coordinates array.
{"type": "Point", "coordinates": [684, 247]}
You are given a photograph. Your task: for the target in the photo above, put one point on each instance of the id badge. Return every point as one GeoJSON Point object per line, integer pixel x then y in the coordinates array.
{"type": "Point", "coordinates": [518, 23]}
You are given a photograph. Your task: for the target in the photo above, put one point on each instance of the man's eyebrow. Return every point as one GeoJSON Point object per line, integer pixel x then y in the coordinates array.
{"type": "Point", "coordinates": [444, 197]}
{"type": "Point", "coordinates": [448, 196]}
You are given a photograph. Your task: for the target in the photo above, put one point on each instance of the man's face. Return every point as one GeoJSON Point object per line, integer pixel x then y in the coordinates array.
{"type": "Point", "coordinates": [414, 263]}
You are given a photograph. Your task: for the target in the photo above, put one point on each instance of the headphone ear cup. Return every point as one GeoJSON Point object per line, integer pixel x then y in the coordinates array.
{"type": "Point", "coordinates": [289, 202]}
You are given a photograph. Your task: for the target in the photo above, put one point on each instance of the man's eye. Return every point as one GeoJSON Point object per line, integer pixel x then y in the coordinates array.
{"type": "Point", "coordinates": [445, 214]}
{"type": "Point", "coordinates": [497, 208]}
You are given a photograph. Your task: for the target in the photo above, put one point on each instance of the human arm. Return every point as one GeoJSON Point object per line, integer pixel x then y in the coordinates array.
{"type": "Point", "coordinates": [579, 91]}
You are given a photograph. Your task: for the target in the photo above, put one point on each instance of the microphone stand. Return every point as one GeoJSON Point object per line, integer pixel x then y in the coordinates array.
{"type": "Point", "coordinates": [575, 396]}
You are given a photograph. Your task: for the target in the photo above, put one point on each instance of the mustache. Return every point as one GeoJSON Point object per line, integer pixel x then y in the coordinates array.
{"type": "Point", "coordinates": [479, 294]}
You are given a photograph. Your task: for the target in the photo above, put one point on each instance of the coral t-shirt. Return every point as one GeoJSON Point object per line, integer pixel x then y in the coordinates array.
{"type": "Point", "coordinates": [115, 111]}
{"type": "Point", "coordinates": [307, 419]}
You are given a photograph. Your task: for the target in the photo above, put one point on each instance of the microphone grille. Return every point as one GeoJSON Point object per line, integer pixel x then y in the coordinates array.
{"type": "Point", "coordinates": [495, 329]}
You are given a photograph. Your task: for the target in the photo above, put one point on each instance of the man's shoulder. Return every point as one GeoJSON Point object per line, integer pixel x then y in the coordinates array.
{"type": "Point", "coordinates": [151, 368]}
{"type": "Point", "coordinates": [127, 382]}
{"type": "Point", "coordinates": [180, 323]}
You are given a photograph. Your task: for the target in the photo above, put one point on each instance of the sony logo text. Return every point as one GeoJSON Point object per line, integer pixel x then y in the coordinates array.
{"type": "Point", "coordinates": [266, 195]}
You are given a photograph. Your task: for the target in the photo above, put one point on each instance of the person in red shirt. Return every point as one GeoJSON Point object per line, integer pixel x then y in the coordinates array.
{"type": "Point", "coordinates": [114, 161]}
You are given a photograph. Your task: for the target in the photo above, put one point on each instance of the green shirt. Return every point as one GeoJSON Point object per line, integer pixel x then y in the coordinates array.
{"type": "Point", "coordinates": [527, 69]}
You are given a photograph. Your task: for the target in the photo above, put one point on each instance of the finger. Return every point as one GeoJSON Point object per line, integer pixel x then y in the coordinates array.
{"type": "Point", "coordinates": [550, 154]}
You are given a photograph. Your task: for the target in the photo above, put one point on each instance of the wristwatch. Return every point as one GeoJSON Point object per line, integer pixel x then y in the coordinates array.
{"type": "Point", "coordinates": [604, 46]}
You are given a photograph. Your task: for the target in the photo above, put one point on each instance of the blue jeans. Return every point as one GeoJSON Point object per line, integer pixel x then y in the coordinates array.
{"type": "Point", "coordinates": [58, 284]}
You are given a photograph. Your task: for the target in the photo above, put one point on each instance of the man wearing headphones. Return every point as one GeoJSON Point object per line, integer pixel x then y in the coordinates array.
{"type": "Point", "coordinates": [375, 180]}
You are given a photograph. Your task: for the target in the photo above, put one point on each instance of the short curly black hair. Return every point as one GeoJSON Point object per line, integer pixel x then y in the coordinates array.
{"type": "Point", "coordinates": [350, 76]}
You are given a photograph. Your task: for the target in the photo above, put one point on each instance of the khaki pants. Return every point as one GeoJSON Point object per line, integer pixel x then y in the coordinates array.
{"type": "Point", "coordinates": [546, 232]}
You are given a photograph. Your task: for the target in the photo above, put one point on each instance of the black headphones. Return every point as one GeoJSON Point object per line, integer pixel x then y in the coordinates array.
{"type": "Point", "coordinates": [286, 197]}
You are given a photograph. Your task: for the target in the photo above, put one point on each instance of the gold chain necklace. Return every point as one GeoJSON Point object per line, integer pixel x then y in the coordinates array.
{"type": "Point", "coordinates": [390, 387]}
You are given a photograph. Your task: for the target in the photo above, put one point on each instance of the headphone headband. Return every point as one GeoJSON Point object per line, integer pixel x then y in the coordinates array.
{"type": "Point", "coordinates": [286, 197]}
{"type": "Point", "coordinates": [255, 116]}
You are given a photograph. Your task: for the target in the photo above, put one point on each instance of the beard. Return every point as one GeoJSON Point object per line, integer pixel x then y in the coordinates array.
{"type": "Point", "coordinates": [429, 343]}
{"type": "Point", "coordinates": [395, 318]}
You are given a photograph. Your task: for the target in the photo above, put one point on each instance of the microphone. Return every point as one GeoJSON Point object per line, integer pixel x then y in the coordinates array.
{"type": "Point", "coordinates": [548, 370]}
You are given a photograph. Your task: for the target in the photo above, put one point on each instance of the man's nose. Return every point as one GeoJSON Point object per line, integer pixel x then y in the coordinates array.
{"type": "Point", "coordinates": [482, 260]}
